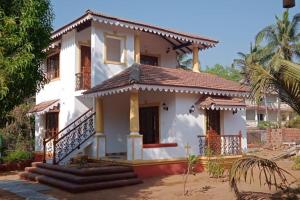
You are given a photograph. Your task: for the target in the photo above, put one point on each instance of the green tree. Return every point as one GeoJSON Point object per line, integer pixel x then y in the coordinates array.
{"type": "Point", "coordinates": [270, 66]}
{"type": "Point", "coordinates": [25, 30]}
{"type": "Point", "coordinates": [229, 73]}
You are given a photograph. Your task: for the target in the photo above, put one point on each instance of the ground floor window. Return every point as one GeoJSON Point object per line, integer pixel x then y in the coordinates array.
{"type": "Point", "coordinates": [51, 124]}
{"type": "Point", "coordinates": [149, 124]}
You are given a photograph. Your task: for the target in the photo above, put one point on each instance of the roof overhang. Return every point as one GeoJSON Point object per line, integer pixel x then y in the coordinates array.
{"type": "Point", "coordinates": [211, 102]}
{"type": "Point", "coordinates": [162, 88]}
{"type": "Point", "coordinates": [201, 41]}
{"type": "Point", "coordinates": [44, 107]}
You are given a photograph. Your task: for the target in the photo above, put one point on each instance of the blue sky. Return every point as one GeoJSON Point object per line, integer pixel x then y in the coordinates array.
{"type": "Point", "coordinates": [233, 22]}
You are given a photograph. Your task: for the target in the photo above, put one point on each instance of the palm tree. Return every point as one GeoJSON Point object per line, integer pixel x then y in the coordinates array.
{"type": "Point", "coordinates": [271, 64]}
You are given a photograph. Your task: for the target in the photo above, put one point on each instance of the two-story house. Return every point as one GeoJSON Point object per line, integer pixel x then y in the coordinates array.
{"type": "Point", "coordinates": [115, 92]}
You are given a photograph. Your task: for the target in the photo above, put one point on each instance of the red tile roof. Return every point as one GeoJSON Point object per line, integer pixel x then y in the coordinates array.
{"type": "Point", "coordinates": [42, 106]}
{"type": "Point", "coordinates": [163, 76]}
{"type": "Point", "coordinates": [208, 101]}
{"type": "Point", "coordinates": [146, 27]}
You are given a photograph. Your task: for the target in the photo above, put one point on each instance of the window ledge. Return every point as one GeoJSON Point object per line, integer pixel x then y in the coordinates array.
{"type": "Point", "coordinates": [160, 145]}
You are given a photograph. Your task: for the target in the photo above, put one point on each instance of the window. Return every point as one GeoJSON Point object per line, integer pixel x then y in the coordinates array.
{"type": "Point", "coordinates": [53, 67]}
{"type": "Point", "coordinates": [260, 117]}
{"type": "Point", "coordinates": [149, 60]}
{"type": "Point", "coordinates": [115, 49]}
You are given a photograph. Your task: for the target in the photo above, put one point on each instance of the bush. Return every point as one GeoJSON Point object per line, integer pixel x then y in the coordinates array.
{"type": "Point", "coordinates": [16, 156]}
{"type": "Point", "coordinates": [296, 164]}
{"type": "Point", "coordinates": [267, 124]}
{"type": "Point", "coordinates": [215, 168]}
{"type": "Point", "coordinates": [293, 123]}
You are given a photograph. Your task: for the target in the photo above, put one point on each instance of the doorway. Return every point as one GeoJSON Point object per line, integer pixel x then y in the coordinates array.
{"type": "Point", "coordinates": [149, 124]}
{"type": "Point", "coordinates": [85, 67]}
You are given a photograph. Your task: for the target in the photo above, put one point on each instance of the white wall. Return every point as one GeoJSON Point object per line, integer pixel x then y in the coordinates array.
{"type": "Point", "coordinates": [233, 123]}
{"type": "Point", "coordinates": [156, 46]}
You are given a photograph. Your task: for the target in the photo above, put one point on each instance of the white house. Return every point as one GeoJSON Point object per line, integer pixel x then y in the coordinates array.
{"type": "Point", "coordinates": [270, 109]}
{"type": "Point", "coordinates": [115, 91]}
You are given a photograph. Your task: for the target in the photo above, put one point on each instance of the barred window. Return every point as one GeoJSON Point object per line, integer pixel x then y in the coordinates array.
{"type": "Point", "coordinates": [53, 66]}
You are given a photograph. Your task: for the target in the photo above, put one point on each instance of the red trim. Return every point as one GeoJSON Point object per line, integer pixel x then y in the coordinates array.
{"type": "Point", "coordinates": [153, 170]}
{"type": "Point", "coordinates": [160, 145]}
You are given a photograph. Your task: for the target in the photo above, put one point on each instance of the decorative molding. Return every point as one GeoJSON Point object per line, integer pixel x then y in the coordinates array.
{"type": "Point", "coordinates": [162, 88]}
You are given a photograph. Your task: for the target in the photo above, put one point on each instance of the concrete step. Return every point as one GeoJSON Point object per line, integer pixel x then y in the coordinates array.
{"type": "Point", "coordinates": [80, 179]}
{"type": "Point", "coordinates": [85, 171]}
{"type": "Point", "coordinates": [76, 188]}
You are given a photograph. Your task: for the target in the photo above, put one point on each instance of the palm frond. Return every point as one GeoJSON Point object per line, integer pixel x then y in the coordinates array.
{"type": "Point", "coordinates": [269, 173]}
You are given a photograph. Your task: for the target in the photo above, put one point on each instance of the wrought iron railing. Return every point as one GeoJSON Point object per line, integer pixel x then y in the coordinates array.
{"type": "Point", "coordinates": [70, 138]}
{"type": "Point", "coordinates": [83, 81]}
{"type": "Point", "coordinates": [214, 144]}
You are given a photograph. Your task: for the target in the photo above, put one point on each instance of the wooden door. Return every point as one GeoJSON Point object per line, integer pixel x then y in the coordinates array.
{"type": "Point", "coordinates": [86, 67]}
{"type": "Point", "coordinates": [149, 124]}
{"type": "Point", "coordinates": [51, 124]}
{"type": "Point", "coordinates": [213, 131]}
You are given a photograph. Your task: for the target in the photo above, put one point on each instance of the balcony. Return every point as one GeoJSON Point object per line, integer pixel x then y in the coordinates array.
{"type": "Point", "coordinates": [83, 81]}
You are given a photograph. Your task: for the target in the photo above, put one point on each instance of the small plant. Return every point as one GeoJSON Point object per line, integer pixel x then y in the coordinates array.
{"type": "Point", "coordinates": [266, 124]}
{"type": "Point", "coordinates": [296, 165]}
{"type": "Point", "coordinates": [215, 168]}
{"type": "Point", "coordinates": [191, 164]}
{"type": "Point", "coordinates": [17, 155]}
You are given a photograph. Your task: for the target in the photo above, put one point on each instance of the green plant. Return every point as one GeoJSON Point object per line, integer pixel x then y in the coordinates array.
{"type": "Point", "coordinates": [266, 124]}
{"type": "Point", "coordinates": [15, 156]}
{"type": "Point", "coordinates": [215, 168]}
{"type": "Point", "coordinates": [191, 163]}
{"type": "Point", "coordinates": [268, 172]}
{"type": "Point", "coordinates": [296, 165]}
{"type": "Point", "coordinates": [208, 152]}
{"type": "Point", "coordinates": [293, 123]}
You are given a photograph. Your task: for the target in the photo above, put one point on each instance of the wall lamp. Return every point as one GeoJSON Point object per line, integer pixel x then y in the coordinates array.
{"type": "Point", "coordinates": [234, 112]}
{"type": "Point", "coordinates": [165, 107]}
{"type": "Point", "coordinates": [192, 109]}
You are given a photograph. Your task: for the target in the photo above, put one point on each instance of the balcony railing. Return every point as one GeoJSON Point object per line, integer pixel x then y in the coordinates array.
{"type": "Point", "coordinates": [215, 144]}
{"type": "Point", "coordinates": [83, 81]}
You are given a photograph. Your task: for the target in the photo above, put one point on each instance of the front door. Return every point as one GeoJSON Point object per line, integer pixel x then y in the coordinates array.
{"type": "Point", "coordinates": [213, 131]}
{"type": "Point", "coordinates": [149, 124]}
{"type": "Point", "coordinates": [51, 124]}
{"type": "Point", "coordinates": [86, 67]}
{"type": "Point", "coordinates": [213, 121]}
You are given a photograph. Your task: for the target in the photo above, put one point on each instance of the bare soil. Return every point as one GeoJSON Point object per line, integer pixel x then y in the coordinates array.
{"type": "Point", "coordinates": [200, 186]}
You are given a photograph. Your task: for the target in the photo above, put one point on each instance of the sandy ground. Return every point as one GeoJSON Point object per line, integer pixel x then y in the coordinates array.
{"type": "Point", "coordinates": [200, 186]}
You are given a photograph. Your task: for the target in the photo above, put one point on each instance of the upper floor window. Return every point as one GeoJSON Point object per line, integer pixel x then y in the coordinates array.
{"type": "Point", "coordinates": [53, 66]}
{"type": "Point", "coordinates": [115, 51]}
{"type": "Point", "coordinates": [149, 60]}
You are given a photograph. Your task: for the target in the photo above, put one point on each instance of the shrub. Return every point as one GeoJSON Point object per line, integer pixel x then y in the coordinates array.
{"type": "Point", "coordinates": [293, 123]}
{"type": "Point", "coordinates": [215, 168]}
{"type": "Point", "coordinates": [266, 124]}
{"type": "Point", "coordinates": [296, 164]}
{"type": "Point", "coordinates": [15, 156]}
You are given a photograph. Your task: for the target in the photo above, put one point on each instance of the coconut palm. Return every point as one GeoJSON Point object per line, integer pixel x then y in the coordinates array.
{"type": "Point", "coordinates": [268, 173]}
{"type": "Point", "coordinates": [271, 64]}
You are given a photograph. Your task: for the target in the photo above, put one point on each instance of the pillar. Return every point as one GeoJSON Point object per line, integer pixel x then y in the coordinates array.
{"type": "Point", "coordinates": [137, 48]}
{"type": "Point", "coordinates": [99, 124]}
{"type": "Point", "coordinates": [196, 64]}
{"type": "Point", "coordinates": [134, 139]}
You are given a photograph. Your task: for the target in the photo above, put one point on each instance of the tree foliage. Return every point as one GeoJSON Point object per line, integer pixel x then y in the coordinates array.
{"type": "Point", "coordinates": [271, 66]}
{"type": "Point", "coordinates": [25, 30]}
{"type": "Point", "coordinates": [229, 73]}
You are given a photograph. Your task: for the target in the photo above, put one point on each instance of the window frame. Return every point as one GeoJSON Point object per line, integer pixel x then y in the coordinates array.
{"type": "Point", "coordinates": [48, 72]}
{"type": "Point", "coordinates": [122, 39]}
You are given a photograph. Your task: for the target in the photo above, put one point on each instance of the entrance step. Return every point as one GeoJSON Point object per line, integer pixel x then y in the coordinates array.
{"type": "Point", "coordinates": [80, 180]}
